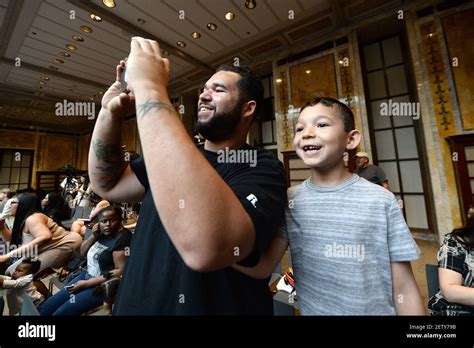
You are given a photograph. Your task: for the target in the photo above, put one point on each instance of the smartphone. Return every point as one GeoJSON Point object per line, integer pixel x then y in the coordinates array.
{"type": "Point", "coordinates": [86, 220]}
{"type": "Point", "coordinates": [67, 287]}
{"type": "Point", "coordinates": [124, 86]}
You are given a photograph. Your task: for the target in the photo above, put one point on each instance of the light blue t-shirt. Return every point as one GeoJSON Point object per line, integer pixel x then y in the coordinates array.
{"type": "Point", "coordinates": [342, 241]}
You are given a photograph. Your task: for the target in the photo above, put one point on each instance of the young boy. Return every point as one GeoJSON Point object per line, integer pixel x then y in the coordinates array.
{"type": "Point", "coordinates": [22, 279]}
{"type": "Point", "coordinates": [350, 246]}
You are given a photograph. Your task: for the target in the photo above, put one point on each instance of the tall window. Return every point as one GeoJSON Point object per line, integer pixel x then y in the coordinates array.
{"type": "Point", "coordinates": [15, 168]}
{"type": "Point", "coordinates": [394, 137]}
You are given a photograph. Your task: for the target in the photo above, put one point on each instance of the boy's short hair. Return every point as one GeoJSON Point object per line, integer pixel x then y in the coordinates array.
{"type": "Point", "coordinates": [344, 112]}
{"type": "Point", "coordinates": [35, 264]}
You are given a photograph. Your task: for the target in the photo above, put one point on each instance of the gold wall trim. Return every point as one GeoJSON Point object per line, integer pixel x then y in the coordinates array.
{"type": "Point", "coordinates": [438, 79]}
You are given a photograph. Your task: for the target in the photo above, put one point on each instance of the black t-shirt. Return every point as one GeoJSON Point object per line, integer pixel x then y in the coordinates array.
{"type": "Point", "coordinates": [156, 280]}
{"type": "Point", "coordinates": [100, 255]}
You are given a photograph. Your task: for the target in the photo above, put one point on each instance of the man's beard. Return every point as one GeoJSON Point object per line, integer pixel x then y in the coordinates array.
{"type": "Point", "coordinates": [222, 125]}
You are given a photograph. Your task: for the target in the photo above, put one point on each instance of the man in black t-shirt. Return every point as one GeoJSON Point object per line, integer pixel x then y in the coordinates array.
{"type": "Point", "coordinates": [204, 208]}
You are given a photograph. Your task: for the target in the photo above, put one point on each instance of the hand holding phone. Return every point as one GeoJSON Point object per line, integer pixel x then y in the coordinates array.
{"type": "Point", "coordinates": [124, 85]}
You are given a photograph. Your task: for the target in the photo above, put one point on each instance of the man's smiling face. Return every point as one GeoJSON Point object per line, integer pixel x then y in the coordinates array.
{"type": "Point", "coordinates": [219, 107]}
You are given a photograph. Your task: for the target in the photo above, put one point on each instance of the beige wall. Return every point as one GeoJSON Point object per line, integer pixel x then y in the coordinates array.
{"type": "Point", "coordinates": [51, 151]}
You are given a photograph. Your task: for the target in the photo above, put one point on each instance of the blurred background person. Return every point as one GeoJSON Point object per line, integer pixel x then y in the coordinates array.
{"type": "Point", "coordinates": [370, 172]}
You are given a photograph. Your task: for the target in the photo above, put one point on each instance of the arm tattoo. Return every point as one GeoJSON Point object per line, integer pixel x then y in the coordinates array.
{"type": "Point", "coordinates": [144, 108]}
{"type": "Point", "coordinates": [110, 173]}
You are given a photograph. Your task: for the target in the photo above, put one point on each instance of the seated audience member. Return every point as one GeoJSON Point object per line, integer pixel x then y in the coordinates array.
{"type": "Point", "coordinates": [456, 294]}
{"type": "Point", "coordinates": [79, 226]}
{"type": "Point", "coordinates": [35, 234]}
{"type": "Point", "coordinates": [106, 258]}
{"type": "Point", "coordinates": [21, 280]}
{"type": "Point", "coordinates": [55, 207]}
{"type": "Point", "coordinates": [370, 172]}
{"type": "Point", "coordinates": [5, 213]}
{"type": "Point", "coordinates": [5, 195]}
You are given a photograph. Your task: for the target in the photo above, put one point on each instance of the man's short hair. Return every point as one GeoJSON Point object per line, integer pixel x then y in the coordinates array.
{"type": "Point", "coordinates": [35, 264]}
{"type": "Point", "coordinates": [343, 111]}
{"type": "Point", "coordinates": [250, 85]}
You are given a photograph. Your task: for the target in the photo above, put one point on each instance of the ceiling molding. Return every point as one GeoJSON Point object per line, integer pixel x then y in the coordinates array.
{"type": "Point", "coordinates": [52, 72]}
{"type": "Point", "coordinates": [10, 19]}
{"type": "Point", "coordinates": [88, 6]}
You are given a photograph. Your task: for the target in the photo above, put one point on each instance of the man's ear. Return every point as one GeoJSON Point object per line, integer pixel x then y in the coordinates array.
{"type": "Point", "coordinates": [353, 139]}
{"type": "Point", "coordinates": [249, 109]}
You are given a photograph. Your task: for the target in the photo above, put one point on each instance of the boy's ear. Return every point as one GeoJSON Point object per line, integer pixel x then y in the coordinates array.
{"type": "Point", "coordinates": [353, 139]}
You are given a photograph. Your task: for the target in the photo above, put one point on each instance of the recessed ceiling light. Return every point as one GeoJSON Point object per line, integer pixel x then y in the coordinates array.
{"type": "Point", "coordinates": [340, 61]}
{"type": "Point", "coordinates": [211, 26]}
{"type": "Point", "coordinates": [141, 20]}
{"type": "Point", "coordinates": [308, 71]}
{"type": "Point", "coordinates": [41, 82]}
{"type": "Point", "coordinates": [181, 44]}
{"type": "Point", "coordinates": [71, 47]}
{"type": "Point", "coordinates": [165, 52]}
{"type": "Point", "coordinates": [229, 16]}
{"type": "Point", "coordinates": [196, 35]}
{"type": "Point", "coordinates": [109, 3]}
{"type": "Point", "coordinates": [58, 61]}
{"type": "Point", "coordinates": [95, 17]}
{"type": "Point", "coordinates": [78, 38]}
{"type": "Point", "coordinates": [250, 4]}
{"type": "Point", "coordinates": [278, 80]}
{"type": "Point", "coordinates": [64, 54]}
{"type": "Point", "coordinates": [86, 29]}
{"type": "Point", "coordinates": [53, 67]}
{"type": "Point", "coordinates": [46, 78]}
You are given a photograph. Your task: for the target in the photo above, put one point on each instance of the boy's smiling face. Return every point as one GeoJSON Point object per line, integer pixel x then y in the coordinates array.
{"type": "Point", "coordinates": [320, 138]}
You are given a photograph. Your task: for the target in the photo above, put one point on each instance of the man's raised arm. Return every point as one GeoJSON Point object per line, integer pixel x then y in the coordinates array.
{"type": "Point", "coordinates": [201, 214]}
{"type": "Point", "coordinates": [111, 177]}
